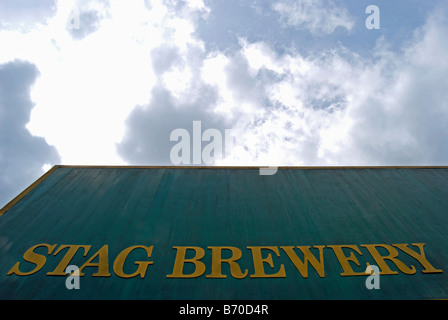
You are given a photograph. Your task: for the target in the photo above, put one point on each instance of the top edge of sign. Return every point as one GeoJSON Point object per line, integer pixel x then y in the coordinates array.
{"type": "Point", "coordinates": [54, 168]}
{"type": "Point", "coordinates": [243, 167]}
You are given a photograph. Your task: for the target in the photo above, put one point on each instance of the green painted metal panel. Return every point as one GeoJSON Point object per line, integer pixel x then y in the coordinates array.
{"type": "Point", "coordinates": [229, 207]}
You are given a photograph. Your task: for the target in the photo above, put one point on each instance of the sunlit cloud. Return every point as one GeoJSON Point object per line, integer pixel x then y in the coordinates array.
{"type": "Point", "coordinates": [288, 80]}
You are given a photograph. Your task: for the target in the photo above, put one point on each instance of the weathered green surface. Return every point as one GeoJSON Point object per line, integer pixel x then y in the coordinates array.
{"type": "Point", "coordinates": [122, 207]}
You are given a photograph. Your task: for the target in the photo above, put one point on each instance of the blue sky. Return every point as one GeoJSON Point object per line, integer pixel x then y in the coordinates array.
{"type": "Point", "coordinates": [257, 21]}
{"type": "Point", "coordinates": [298, 82]}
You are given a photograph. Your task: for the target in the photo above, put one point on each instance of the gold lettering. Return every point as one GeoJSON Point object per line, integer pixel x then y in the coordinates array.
{"type": "Point", "coordinates": [181, 260]}
{"type": "Point", "coordinates": [217, 261]}
{"type": "Point", "coordinates": [344, 260]}
{"type": "Point", "coordinates": [32, 257]}
{"type": "Point", "coordinates": [380, 260]}
{"type": "Point", "coordinates": [142, 265]}
{"type": "Point", "coordinates": [421, 258]}
{"type": "Point", "coordinates": [60, 269]}
{"type": "Point", "coordinates": [259, 260]}
{"type": "Point", "coordinates": [102, 264]}
{"type": "Point", "coordinates": [307, 256]}
{"type": "Point", "coordinates": [259, 255]}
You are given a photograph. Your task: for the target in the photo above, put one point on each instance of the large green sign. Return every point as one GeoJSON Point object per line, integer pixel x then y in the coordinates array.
{"type": "Point", "coordinates": [227, 233]}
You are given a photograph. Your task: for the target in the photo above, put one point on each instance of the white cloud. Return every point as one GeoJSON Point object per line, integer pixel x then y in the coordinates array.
{"type": "Point", "coordinates": [338, 108]}
{"type": "Point", "coordinates": [317, 16]}
{"type": "Point", "coordinates": [90, 81]}
{"type": "Point", "coordinates": [139, 71]}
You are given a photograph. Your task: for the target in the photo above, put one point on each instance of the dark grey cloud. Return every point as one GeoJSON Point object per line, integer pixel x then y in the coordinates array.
{"type": "Point", "coordinates": [88, 23]}
{"type": "Point", "coordinates": [148, 127]}
{"type": "Point", "coordinates": [21, 154]}
{"type": "Point", "coordinates": [85, 17]}
{"type": "Point", "coordinates": [164, 57]}
{"type": "Point", "coordinates": [147, 139]}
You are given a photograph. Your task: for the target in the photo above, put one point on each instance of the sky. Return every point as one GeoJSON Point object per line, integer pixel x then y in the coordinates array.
{"type": "Point", "coordinates": [295, 82]}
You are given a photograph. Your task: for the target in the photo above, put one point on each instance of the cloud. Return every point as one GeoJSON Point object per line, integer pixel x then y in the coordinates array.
{"type": "Point", "coordinates": [333, 107]}
{"type": "Point", "coordinates": [316, 16]}
{"type": "Point", "coordinates": [93, 77]}
{"type": "Point", "coordinates": [147, 140]}
{"type": "Point", "coordinates": [89, 21]}
{"type": "Point", "coordinates": [134, 71]}
{"type": "Point", "coordinates": [410, 125]}
{"type": "Point", "coordinates": [339, 108]}
{"type": "Point", "coordinates": [22, 155]}
{"type": "Point", "coordinates": [25, 14]}
{"type": "Point", "coordinates": [180, 95]}
{"type": "Point", "coordinates": [91, 81]}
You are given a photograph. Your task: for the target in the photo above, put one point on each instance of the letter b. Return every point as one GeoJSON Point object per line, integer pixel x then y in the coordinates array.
{"type": "Point", "coordinates": [181, 260]}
